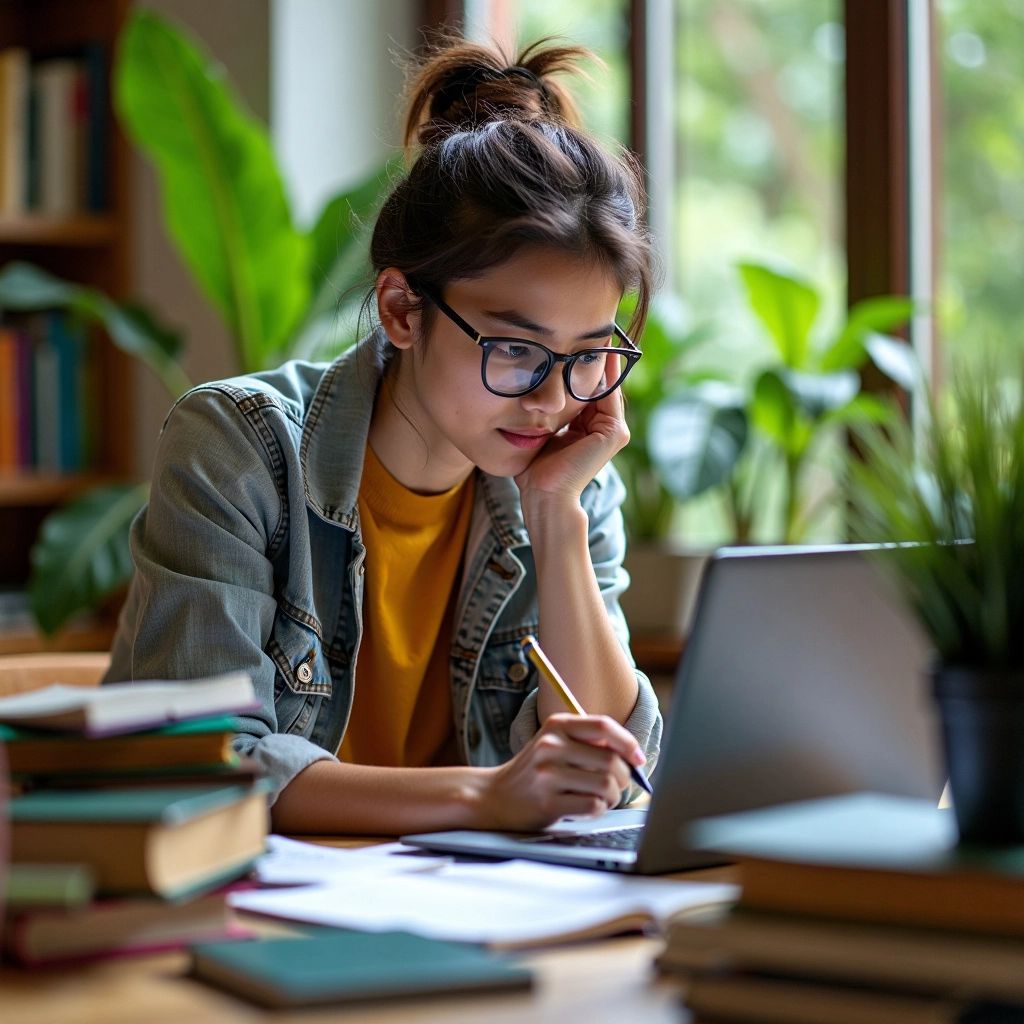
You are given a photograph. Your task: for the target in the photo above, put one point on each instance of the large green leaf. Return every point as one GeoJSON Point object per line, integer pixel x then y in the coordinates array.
{"type": "Point", "coordinates": [896, 359]}
{"type": "Point", "coordinates": [81, 555]}
{"type": "Point", "coordinates": [223, 197]}
{"type": "Point", "coordinates": [786, 306]}
{"type": "Point", "coordinates": [696, 438]}
{"type": "Point", "coordinates": [134, 329]}
{"type": "Point", "coordinates": [884, 313]}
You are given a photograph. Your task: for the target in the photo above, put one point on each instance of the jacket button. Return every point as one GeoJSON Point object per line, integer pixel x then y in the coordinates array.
{"type": "Point", "coordinates": [304, 672]}
{"type": "Point", "coordinates": [517, 672]}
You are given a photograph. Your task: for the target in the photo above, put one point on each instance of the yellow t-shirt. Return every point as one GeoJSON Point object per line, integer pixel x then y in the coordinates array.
{"type": "Point", "coordinates": [402, 713]}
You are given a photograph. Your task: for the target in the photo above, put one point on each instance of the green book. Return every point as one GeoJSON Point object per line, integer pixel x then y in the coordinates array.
{"type": "Point", "coordinates": [171, 841]}
{"type": "Point", "coordinates": [339, 966]}
{"type": "Point", "coordinates": [47, 885]}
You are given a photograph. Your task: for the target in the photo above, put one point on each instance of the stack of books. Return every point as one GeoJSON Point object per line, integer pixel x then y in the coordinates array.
{"type": "Point", "coordinates": [131, 814]}
{"type": "Point", "coordinates": [858, 909]}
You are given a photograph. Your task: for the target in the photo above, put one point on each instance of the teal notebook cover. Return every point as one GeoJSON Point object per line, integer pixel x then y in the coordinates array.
{"type": "Point", "coordinates": [330, 965]}
{"type": "Point", "coordinates": [189, 727]}
{"type": "Point", "coordinates": [169, 805]}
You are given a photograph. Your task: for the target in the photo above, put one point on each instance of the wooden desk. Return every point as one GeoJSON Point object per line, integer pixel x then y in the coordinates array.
{"type": "Point", "coordinates": [609, 981]}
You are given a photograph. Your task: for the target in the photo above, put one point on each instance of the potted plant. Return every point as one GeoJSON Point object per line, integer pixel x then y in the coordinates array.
{"type": "Point", "coordinates": [757, 436]}
{"type": "Point", "coordinates": [276, 285]}
{"type": "Point", "coordinates": [664, 573]}
{"type": "Point", "coordinates": [752, 436]}
{"type": "Point", "coordinates": [957, 497]}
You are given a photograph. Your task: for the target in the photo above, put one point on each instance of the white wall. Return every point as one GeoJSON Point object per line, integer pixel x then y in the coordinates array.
{"type": "Point", "coordinates": [336, 75]}
{"type": "Point", "coordinates": [323, 74]}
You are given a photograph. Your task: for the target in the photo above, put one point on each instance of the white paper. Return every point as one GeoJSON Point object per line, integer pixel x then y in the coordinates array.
{"type": "Point", "coordinates": [512, 902]}
{"type": "Point", "coordinates": [291, 862]}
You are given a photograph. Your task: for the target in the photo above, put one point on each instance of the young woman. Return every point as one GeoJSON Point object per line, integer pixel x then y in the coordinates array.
{"type": "Point", "coordinates": [372, 539]}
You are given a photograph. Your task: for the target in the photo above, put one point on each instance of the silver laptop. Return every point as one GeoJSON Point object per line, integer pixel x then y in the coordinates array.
{"type": "Point", "coordinates": [804, 676]}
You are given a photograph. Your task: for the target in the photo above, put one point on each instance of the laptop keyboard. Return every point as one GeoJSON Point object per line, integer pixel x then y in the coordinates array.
{"type": "Point", "coordinates": [615, 839]}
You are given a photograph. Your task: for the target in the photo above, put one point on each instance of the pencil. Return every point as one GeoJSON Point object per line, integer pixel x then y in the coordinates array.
{"type": "Point", "coordinates": [550, 674]}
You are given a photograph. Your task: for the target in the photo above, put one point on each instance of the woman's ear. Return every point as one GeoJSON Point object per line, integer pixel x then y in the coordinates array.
{"type": "Point", "coordinates": [397, 307]}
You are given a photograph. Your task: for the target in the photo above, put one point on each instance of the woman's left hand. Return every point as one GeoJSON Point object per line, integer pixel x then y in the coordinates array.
{"type": "Point", "coordinates": [575, 455]}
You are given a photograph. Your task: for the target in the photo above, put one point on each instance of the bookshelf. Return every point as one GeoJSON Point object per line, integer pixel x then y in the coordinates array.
{"type": "Point", "coordinates": [92, 248]}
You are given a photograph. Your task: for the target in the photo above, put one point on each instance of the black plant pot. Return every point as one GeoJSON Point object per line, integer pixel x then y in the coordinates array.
{"type": "Point", "coordinates": [982, 716]}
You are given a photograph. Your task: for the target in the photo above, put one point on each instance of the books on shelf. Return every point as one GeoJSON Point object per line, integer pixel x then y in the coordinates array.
{"type": "Point", "coordinates": [46, 416]}
{"type": "Point", "coordinates": [53, 131]}
{"type": "Point", "coordinates": [855, 908]}
{"type": "Point", "coordinates": [127, 707]}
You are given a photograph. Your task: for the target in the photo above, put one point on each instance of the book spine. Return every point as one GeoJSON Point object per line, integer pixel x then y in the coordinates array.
{"type": "Point", "coordinates": [8, 403]}
{"type": "Point", "coordinates": [46, 376]}
{"type": "Point", "coordinates": [97, 128]}
{"type": "Point", "coordinates": [24, 361]}
{"type": "Point", "coordinates": [56, 83]}
{"type": "Point", "coordinates": [68, 343]}
{"type": "Point", "coordinates": [14, 77]}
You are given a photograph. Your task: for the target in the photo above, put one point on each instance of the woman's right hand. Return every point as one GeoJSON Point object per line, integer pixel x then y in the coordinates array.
{"type": "Point", "coordinates": [575, 764]}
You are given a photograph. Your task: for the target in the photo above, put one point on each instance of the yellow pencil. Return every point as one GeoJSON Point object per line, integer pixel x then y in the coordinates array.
{"type": "Point", "coordinates": [550, 674]}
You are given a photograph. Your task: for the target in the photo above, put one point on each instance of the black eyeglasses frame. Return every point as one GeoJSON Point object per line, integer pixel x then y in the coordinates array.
{"type": "Point", "coordinates": [630, 354]}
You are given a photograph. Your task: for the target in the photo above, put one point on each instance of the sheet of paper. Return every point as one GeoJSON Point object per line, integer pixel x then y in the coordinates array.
{"type": "Point", "coordinates": [291, 862]}
{"type": "Point", "coordinates": [509, 903]}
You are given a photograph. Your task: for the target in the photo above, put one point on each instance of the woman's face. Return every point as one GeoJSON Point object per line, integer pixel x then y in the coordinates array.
{"type": "Point", "coordinates": [559, 300]}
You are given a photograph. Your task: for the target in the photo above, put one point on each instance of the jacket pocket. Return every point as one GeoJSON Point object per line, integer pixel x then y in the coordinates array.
{"type": "Point", "coordinates": [302, 672]}
{"type": "Point", "coordinates": [506, 677]}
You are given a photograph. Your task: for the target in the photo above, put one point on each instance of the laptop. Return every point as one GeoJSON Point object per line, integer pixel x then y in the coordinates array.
{"type": "Point", "coordinates": [804, 676]}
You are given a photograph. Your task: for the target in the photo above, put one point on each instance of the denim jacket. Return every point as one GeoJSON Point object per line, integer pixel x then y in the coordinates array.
{"type": "Point", "coordinates": [249, 556]}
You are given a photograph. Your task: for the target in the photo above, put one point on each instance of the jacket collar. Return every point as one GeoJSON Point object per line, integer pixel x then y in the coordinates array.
{"type": "Point", "coordinates": [334, 437]}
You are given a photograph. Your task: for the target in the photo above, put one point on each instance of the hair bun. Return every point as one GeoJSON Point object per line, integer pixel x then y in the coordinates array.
{"type": "Point", "coordinates": [463, 85]}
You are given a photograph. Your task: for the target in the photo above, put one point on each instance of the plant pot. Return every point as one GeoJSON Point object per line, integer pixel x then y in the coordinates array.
{"type": "Point", "coordinates": [663, 588]}
{"type": "Point", "coordinates": [982, 716]}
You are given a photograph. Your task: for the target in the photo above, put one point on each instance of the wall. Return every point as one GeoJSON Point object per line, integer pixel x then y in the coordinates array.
{"type": "Point", "coordinates": [325, 75]}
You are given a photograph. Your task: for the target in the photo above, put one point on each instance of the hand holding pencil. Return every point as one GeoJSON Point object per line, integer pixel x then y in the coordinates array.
{"type": "Point", "coordinates": [550, 674]}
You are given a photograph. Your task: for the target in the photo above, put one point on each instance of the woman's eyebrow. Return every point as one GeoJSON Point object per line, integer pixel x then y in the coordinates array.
{"type": "Point", "coordinates": [523, 323]}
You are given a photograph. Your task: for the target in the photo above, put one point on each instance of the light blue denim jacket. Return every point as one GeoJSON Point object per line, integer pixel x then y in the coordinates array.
{"type": "Point", "coordinates": [249, 556]}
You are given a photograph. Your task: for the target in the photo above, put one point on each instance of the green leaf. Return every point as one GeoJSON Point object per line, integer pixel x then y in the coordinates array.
{"type": "Point", "coordinates": [696, 438]}
{"type": "Point", "coordinates": [81, 555]}
{"type": "Point", "coordinates": [786, 306]}
{"type": "Point", "coordinates": [896, 359]}
{"type": "Point", "coordinates": [819, 393]}
{"type": "Point", "coordinates": [342, 224]}
{"type": "Point", "coordinates": [777, 413]}
{"type": "Point", "coordinates": [881, 314]}
{"type": "Point", "coordinates": [132, 328]}
{"type": "Point", "coordinates": [224, 201]}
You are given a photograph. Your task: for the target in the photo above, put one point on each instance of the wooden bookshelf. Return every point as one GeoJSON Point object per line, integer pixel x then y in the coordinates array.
{"type": "Point", "coordinates": [93, 249]}
{"type": "Point", "coordinates": [75, 232]}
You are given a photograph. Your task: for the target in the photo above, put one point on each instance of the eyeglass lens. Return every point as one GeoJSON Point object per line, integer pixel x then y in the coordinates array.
{"type": "Point", "coordinates": [514, 367]}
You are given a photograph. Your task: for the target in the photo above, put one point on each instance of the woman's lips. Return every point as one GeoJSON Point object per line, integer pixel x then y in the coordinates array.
{"type": "Point", "coordinates": [525, 440]}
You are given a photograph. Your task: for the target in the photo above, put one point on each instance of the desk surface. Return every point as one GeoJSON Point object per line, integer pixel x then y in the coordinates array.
{"type": "Point", "coordinates": [609, 980]}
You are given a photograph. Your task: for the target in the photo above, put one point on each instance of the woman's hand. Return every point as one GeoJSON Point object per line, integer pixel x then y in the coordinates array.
{"type": "Point", "coordinates": [575, 764]}
{"type": "Point", "coordinates": [575, 455]}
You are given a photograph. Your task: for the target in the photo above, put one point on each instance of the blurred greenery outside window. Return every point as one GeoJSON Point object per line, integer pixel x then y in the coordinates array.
{"type": "Point", "coordinates": [980, 108]}
{"type": "Point", "coordinates": [756, 105]}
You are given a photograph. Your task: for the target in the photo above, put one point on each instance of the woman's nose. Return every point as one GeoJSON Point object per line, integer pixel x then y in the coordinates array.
{"type": "Point", "coordinates": [550, 397]}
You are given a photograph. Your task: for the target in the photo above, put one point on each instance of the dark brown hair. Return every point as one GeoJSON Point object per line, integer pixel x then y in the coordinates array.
{"type": "Point", "coordinates": [499, 163]}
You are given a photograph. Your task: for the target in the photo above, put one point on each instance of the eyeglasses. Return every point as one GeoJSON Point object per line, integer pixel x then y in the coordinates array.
{"type": "Point", "coordinates": [512, 367]}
